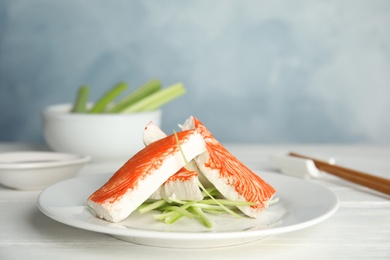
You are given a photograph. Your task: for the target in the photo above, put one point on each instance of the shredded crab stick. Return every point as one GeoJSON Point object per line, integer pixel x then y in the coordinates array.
{"type": "Point", "coordinates": [143, 174]}
{"type": "Point", "coordinates": [229, 176]}
{"type": "Point", "coordinates": [183, 185]}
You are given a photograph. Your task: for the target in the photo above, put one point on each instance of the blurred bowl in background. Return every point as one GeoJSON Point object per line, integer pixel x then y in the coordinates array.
{"type": "Point", "coordinates": [35, 170]}
{"type": "Point", "coordinates": [103, 137]}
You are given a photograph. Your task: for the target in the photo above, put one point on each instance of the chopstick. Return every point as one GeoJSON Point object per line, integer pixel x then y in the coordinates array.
{"type": "Point", "coordinates": [361, 178]}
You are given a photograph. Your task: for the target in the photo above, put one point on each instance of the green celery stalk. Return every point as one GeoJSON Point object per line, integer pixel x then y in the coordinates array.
{"type": "Point", "coordinates": [136, 95]}
{"type": "Point", "coordinates": [156, 99]}
{"type": "Point", "coordinates": [80, 104]}
{"type": "Point", "coordinates": [108, 97]}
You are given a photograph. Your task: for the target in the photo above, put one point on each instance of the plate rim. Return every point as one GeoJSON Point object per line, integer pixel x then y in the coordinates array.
{"type": "Point", "coordinates": [186, 235]}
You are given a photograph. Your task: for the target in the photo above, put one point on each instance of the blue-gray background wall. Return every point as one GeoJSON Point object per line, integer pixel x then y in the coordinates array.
{"type": "Point", "coordinates": [256, 71]}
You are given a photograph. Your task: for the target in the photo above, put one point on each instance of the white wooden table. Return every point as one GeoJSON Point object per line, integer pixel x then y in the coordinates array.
{"type": "Point", "coordinates": [360, 229]}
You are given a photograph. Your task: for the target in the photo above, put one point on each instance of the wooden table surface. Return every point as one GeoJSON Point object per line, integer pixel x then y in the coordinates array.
{"type": "Point", "coordinates": [360, 229]}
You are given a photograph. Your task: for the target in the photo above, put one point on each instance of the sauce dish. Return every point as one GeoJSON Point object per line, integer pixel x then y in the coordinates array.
{"type": "Point", "coordinates": [35, 170]}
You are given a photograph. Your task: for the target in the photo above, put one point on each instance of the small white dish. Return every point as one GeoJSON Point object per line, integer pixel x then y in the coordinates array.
{"type": "Point", "coordinates": [33, 170]}
{"type": "Point", "coordinates": [301, 205]}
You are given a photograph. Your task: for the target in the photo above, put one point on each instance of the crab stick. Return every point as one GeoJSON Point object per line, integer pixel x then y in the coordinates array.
{"type": "Point", "coordinates": [230, 177]}
{"type": "Point", "coordinates": [183, 185]}
{"type": "Point", "coordinates": [143, 174]}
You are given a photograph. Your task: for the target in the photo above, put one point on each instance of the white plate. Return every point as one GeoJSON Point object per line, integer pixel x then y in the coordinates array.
{"type": "Point", "coordinates": [302, 204]}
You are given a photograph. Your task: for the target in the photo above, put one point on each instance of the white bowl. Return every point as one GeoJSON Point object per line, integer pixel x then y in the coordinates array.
{"type": "Point", "coordinates": [101, 136]}
{"type": "Point", "coordinates": [37, 170]}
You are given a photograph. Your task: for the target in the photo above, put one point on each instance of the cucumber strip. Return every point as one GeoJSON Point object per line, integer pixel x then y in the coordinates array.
{"type": "Point", "coordinates": [180, 210]}
{"type": "Point", "coordinates": [214, 212]}
{"type": "Point", "coordinates": [171, 214]}
{"type": "Point", "coordinates": [177, 213]}
{"type": "Point", "coordinates": [228, 202]}
{"type": "Point", "coordinates": [149, 207]}
{"type": "Point", "coordinates": [156, 99]}
{"type": "Point", "coordinates": [163, 215]}
{"type": "Point", "coordinates": [207, 206]}
{"type": "Point", "coordinates": [174, 209]}
{"type": "Point", "coordinates": [218, 204]}
{"type": "Point", "coordinates": [108, 97]}
{"type": "Point", "coordinates": [203, 217]}
{"type": "Point", "coordinates": [187, 164]}
{"type": "Point", "coordinates": [173, 218]}
{"type": "Point", "coordinates": [210, 190]}
{"type": "Point", "coordinates": [172, 200]}
{"type": "Point", "coordinates": [80, 104]}
{"type": "Point", "coordinates": [222, 206]}
{"type": "Point", "coordinates": [136, 95]}
{"type": "Point", "coordinates": [184, 204]}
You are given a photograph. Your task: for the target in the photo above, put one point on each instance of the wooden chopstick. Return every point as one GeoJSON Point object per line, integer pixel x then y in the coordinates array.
{"type": "Point", "coordinates": [361, 178]}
